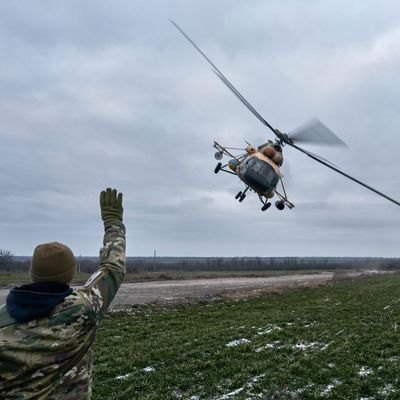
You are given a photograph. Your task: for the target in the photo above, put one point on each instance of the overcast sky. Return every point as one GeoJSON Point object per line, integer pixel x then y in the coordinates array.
{"type": "Point", "coordinates": [108, 93]}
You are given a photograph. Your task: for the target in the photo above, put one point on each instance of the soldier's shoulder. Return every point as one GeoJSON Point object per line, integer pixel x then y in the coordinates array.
{"type": "Point", "coordinates": [72, 309]}
{"type": "Point", "coordinates": [73, 306]}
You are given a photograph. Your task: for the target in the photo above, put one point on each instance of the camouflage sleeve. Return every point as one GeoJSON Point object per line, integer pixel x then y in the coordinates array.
{"type": "Point", "coordinates": [99, 291]}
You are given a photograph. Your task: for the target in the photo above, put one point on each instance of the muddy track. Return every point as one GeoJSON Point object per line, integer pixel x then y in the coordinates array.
{"type": "Point", "coordinates": [177, 290]}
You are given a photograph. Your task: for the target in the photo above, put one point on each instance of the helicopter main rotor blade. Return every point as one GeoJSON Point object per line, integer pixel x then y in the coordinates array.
{"type": "Point", "coordinates": [314, 131]}
{"type": "Point", "coordinates": [225, 80]}
{"type": "Point", "coordinates": [243, 100]}
{"type": "Point", "coordinates": [316, 156]}
{"type": "Point", "coordinates": [322, 161]}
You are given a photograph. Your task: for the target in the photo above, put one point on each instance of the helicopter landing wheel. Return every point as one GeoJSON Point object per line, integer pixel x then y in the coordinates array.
{"type": "Point", "coordinates": [266, 206]}
{"type": "Point", "coordinates": [242, 197]}
{"type": "Point", "coordinates": [218, 168]}
{"type": "Point", "coordinates": [280, 205]}
{"type": "Point", "coordinates": [238, 195]}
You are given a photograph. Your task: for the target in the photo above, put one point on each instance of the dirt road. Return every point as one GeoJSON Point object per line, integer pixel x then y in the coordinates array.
{"type": "Point", "coordinates": [172, 291]}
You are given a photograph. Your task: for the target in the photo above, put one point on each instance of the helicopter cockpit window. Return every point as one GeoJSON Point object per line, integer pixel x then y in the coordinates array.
{"type": "Point", "coordinates": [266, 171]}
{"type": "Point", "coordinates": [258, 165]}
{"type": "Point", "coordinates": [250, 162]}
{"type": "Point", "coordinates": [271, 176]}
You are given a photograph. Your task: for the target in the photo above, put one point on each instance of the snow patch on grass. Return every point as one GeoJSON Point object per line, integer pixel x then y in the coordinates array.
{"type": "Point", "coordinates": [304, 388]}
{"type": "Point", "coordinates": [268, 346]}
{"type": "Point", "coordinates": [365, 371]}
{"type": "Point", "coordinates": [310, 324]}
{"type": "Point", "coordinates": [268, 329]}
{"type": "Point", "coordinates": [387, 389]}
{"type": "Point", "coordinates": [123, 377]}
{"type": "Point", "coordinates": [248, 385]}
{"type": "Point", "coordinates": [310, 346]}
{"type": "Point", "coordinates": [330, 387]}
{"type": "Point", "coordinates": [230, 394]}
{"type": "Point", "coordinates": [237, 342]}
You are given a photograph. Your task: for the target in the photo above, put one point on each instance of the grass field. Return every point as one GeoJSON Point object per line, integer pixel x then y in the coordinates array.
{"type": "Point", "coordinates": [334, 342]}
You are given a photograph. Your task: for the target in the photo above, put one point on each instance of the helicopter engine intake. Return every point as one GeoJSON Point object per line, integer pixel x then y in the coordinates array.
{"type": "Point", "coordinates": [278, 158]}
{"type": "Point", "coordinates": [273, 152]}
{"type": "Point", "coordinates": [269, 152]}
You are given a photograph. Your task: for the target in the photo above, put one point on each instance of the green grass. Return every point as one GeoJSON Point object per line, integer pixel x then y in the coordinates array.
{"type": "Point", "coordinates": [334, 342]}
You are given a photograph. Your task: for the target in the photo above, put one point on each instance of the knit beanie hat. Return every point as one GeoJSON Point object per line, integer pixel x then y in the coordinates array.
{"type": "Point", "coordinates": [53, 262]}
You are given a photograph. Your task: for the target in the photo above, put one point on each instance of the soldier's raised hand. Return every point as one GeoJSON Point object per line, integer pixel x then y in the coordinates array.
{"type": "Point", "coordinates": [111, 206]}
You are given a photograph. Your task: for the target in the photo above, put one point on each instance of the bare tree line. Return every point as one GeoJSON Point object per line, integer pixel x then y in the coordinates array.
{"type": "Point", "coordinates": [10, 263]}
{"type": "Point", "coordinates": [5, 257]}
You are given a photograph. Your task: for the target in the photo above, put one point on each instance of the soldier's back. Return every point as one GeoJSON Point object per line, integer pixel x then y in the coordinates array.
{"type": "Point", "coordinates": [49, 357]}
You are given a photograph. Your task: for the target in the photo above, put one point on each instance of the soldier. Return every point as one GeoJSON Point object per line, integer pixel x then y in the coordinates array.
{"type": "Point", "coordinates": [47, 329]}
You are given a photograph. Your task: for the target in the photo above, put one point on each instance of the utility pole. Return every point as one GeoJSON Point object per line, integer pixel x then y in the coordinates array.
{"type": "Point", "coordinates": [154, 261]}
{"type": "Point", "coordinates": [79, 263]}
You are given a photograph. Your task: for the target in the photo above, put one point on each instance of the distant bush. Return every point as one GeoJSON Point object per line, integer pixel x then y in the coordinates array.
{"type": "Point", "coordinates": [5, 258]}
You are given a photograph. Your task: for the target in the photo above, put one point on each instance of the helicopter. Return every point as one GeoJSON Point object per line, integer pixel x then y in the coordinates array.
{"type": "Point", "coordinates": [259, 167]}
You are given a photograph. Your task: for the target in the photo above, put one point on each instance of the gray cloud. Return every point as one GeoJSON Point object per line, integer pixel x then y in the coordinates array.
{"type": "Point", "coordinates": [99, 94]}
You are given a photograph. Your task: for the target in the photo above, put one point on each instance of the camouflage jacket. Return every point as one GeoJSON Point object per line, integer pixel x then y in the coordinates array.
{"type": "Point", "coordinates": [49, 358]}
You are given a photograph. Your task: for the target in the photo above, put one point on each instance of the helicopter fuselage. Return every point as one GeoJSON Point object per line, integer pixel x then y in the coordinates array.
{"type": "Point", "coordinates": [259, 172]}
